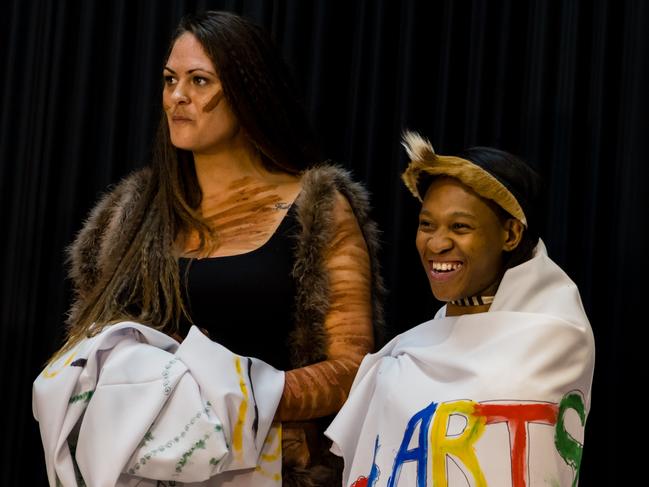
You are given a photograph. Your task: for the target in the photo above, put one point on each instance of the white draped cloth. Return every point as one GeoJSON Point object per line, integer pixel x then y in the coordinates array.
{"type": "Point", "coordinates": [489, 399]}
{"type": "Point", "coordinates": [132, 407]}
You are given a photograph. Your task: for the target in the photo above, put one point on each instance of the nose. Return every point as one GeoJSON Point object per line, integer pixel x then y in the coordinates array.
{"type": "Point", "coordinates": [179, 95]}
{"type": "Point", "coordinates": [439, 242]}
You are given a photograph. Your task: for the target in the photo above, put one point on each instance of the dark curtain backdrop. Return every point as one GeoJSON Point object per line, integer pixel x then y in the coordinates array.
{"type": "Point", "coordinates": [561, 83]}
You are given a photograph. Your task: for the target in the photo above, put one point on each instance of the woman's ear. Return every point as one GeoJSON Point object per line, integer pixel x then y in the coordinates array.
{"type": "Point", "coordinates": [513, 234]}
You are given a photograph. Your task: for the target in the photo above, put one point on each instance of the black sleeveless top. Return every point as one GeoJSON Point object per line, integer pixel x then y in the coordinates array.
{"type": "Point", "coordinates": [246, 302]}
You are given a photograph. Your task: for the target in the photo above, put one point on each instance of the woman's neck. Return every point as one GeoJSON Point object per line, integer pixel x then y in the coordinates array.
{"type": "Point", "coordinates": [238, 169]}
{"type": "Point", "coordinates": [470, 305]}
{"type": "Point", "coordinates": [218, 170]}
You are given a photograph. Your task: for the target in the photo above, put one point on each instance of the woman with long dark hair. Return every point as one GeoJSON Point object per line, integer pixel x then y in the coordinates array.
{"type": "Point", "coordinates": [240, 230]}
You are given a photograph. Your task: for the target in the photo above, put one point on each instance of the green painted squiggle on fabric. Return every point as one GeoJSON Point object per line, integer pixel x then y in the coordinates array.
{"type": "Point", "coordinates": [148, 436]}
{"type": "Point", "coordinates": [569, 448]}
{"type": "Point", "coordinates": [170, 443]}
{"type": "Point", "coordinates": [183, 459]}
{"type": "Point", "coordinates": [84, 396]}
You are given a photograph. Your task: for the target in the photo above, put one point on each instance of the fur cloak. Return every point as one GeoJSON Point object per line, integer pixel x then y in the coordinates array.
{"type": "Point", "coordinates": [90, 255]}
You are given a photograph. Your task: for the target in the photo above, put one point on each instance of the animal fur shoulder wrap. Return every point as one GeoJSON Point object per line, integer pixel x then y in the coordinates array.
{"type": "Point", "coordinates": [90, 255]}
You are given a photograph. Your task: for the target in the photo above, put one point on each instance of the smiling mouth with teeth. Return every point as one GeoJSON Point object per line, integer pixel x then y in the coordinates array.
{"type": "Point", "coordinates": [445, 266]}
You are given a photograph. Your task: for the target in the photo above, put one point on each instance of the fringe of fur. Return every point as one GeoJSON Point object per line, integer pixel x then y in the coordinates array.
{"type": "Point", "coordinates": [89, 255]}
{"type": "Point", "coordinates": [418, 147]}
{"type": "Point", "coordinates": [315, 215]}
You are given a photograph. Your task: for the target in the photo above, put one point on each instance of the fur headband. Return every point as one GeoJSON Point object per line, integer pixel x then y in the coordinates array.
{"type": "Point", "coordinates": [423, 160]}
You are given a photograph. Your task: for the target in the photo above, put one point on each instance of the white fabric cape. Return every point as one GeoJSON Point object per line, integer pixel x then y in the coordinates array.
{"type": "Point", "coordinates": [132, 407]}
{"type": "Point", "coordinates": [489, 399]}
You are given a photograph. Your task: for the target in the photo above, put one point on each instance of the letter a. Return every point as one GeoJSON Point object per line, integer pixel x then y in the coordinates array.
{"type": "Point", "coordinates": [418, 454]}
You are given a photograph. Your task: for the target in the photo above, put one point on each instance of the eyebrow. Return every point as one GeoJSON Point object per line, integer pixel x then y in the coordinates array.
{"type": "Point", "coordinates": [453, 214]}
{"type": "Point", "coordinates": [191, 70]}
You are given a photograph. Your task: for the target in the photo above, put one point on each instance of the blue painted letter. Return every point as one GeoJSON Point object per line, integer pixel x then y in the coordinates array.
{"type": "Point", "coordinates": [418, 454]}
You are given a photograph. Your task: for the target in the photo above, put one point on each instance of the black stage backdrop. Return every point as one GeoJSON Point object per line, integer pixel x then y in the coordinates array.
{"type": "Point", "coordinates": [562, 84]}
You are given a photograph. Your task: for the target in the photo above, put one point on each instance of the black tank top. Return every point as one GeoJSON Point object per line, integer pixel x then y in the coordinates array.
{"type": "Point", "coordinates": [246, 302]}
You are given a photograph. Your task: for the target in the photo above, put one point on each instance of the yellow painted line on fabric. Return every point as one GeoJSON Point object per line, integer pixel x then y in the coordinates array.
{"type": "Point", "coordinates": [237, 435]}
{"type": "Point", "coordinates": [68, 361]}
{"type": "Point", "coordinates": [275, 432]}
{"type": "Point", "coordinates": [277, 477]}
{"type": "Point", "coordinates": [461, 446]}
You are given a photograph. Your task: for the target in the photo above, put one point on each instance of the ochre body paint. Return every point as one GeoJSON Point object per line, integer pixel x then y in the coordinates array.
{"type": "Point", "coordinates": [214, 101]}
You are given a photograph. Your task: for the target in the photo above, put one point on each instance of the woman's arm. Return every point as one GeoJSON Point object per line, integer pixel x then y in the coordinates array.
{"type": "Point", "coordinates": [321, 389]}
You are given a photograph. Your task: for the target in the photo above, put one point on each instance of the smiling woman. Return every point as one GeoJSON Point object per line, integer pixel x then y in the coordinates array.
{"type": "Point", "coordinates": [461, 240]}
{"type": "Point", "coordinates": [498, 383]}
{"type": "Point", "coordinates": [230, 289]}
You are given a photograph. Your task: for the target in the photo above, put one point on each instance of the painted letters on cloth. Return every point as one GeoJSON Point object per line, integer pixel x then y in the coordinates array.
{"type": "Point", "coordinates": [478, 416]}
{"type": "Point", "coordinates": [490, 399]}
{"type": "Point", "coordinates": [132, 407]}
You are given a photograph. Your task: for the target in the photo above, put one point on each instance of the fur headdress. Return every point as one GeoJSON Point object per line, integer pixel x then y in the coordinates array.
{"type": "Point", "coordinates": [484, 181]}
